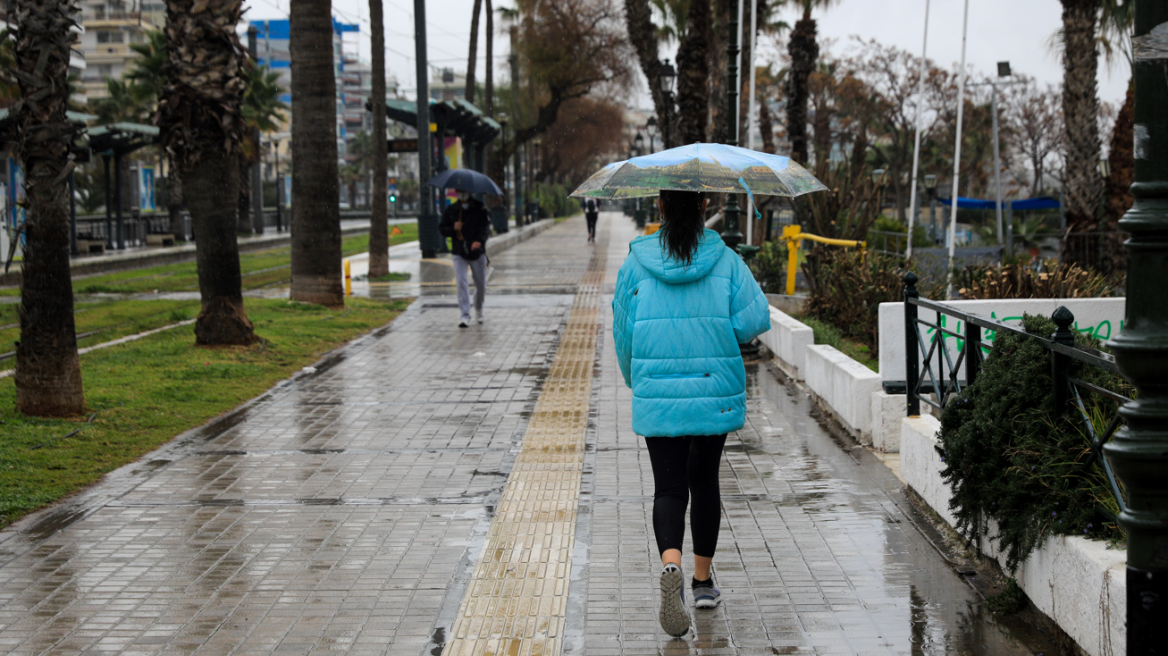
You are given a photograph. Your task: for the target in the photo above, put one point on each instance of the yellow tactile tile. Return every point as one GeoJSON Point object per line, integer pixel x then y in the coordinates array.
{"type": "Point", "coordinates": [517, 599]}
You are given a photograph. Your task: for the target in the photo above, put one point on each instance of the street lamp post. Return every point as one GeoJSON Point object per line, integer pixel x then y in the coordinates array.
{"type": "Point", "coordinates": [666, 75]}
{"type": "Point", "coordinates": [1139, 451]}
{"type": "Point", "coordinates": [878, 182]}
{"type": "Point", "coordinates": [650, 129]}
{"type": "Point", "coordinates": [638, 150]}
{"type": "Point", "coordinates": [730, 234]}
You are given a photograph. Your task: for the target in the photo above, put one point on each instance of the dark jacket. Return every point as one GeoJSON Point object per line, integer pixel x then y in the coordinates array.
{"type": "Point", "coordinates": [476, 226]}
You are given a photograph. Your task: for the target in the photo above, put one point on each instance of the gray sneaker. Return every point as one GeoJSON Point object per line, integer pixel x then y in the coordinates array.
{"type": "Point", "coordinates": [706, 595]}
{"type": "Point", "coordinates": [673, 616]}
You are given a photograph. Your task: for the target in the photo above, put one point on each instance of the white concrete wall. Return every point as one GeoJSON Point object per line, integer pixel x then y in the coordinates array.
{"type": "Point", "coordinates": [1101, 317]}
{"type": "Point", "coordinates": [1078, 583]}
{"type": "Point", "coordinates": [788, 340]}
{"type": "Point", "coordinates": [844, 385]}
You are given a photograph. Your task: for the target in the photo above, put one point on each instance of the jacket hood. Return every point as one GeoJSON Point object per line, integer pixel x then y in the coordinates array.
{"type": "Point", "coordinates": [648, 251]}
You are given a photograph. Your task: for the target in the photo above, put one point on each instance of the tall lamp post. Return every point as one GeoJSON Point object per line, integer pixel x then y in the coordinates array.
{"type": "Point", "coordinates": [1139, 451]}
{"type": "Point", "coordinates": [666, 75]}
{"type": "Point", "coordinates": [651, 129]}
{"type": "Point", "coordinates": [730, 234]}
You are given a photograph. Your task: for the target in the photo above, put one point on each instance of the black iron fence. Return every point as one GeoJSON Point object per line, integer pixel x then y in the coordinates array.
{"type": "Point", "coordinates": [936, 357]}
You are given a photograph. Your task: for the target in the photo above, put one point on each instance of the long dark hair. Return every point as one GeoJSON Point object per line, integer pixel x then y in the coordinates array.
{"type": "Point", "coordinates": [682, 224]}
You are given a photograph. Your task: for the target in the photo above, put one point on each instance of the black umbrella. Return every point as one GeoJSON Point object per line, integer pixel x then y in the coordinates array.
{"type": "Point", "coordinates": [465, 180]}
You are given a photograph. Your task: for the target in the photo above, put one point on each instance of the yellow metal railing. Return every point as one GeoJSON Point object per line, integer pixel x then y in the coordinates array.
{"type": "Point", "coordinates": [793, 235]}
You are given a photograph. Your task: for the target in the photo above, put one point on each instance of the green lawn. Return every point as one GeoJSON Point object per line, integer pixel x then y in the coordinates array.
{"type": "Point", "coordinates": [141, 394]}
{"type": "Point", "coordinates": [260, 269]}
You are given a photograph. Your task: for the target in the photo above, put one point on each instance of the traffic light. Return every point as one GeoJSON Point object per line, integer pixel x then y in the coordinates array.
{"type": "Point", "coordinates": [393, 198]}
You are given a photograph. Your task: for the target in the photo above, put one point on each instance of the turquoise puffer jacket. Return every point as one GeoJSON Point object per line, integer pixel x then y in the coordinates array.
{"type": "Point", "coordinates": [677, 331]}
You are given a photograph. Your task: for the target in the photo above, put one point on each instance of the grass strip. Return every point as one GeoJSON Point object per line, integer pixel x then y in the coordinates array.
{"type": "Point", "coordinates": [259, 269]}
{"type": "Point", "coordinates": [827, 334]}
{"type": "Point", "coordinates": [146, 392]}
{"type": "Point", "coordinates": [103, 322]}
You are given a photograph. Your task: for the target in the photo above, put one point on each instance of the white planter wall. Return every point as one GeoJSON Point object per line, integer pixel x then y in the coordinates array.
{"type": "Point", "coordinates": [1101, 317]}
{"type": "Point", "coordinates": [788, 340]}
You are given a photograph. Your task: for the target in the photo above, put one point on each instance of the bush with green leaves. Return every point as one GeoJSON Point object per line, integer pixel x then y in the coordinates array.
{"type": "Point", "coordinates": [769, 266]}
{"type": "Point", "coordinates": [1010, 459]}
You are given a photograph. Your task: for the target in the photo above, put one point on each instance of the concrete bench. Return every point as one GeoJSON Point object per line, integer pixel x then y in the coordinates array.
{"type": "Point", "coordinates": [90, 246]}
{"type": "Point", "coordinates": [160, 240]}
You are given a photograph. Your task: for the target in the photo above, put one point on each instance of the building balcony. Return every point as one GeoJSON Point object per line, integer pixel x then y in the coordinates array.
{"type": "Point", "coordinates": [109, 52]}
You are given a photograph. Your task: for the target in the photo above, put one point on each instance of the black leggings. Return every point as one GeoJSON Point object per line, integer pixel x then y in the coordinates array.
{"type": "Point", "coordinates": [591, 218]}
{"type": "Point", "coordinates": [684, 467]}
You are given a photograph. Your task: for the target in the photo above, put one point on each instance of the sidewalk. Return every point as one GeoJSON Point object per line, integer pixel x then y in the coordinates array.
{"type": "Point", "coordinates": [433, 490]}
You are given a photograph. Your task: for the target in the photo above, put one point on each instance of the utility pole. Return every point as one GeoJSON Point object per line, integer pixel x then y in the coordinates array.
{"type": "Point", "coordinates": [1139, 451]}
{"type": "Point", "coordinates": [257, 184]}
{"type": "Point", "coordinates": [428, 236]}
{"type": "Point", "coordinates": [1003, 71]}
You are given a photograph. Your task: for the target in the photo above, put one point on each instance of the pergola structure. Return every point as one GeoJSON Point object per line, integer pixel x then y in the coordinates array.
{"type": "Point", "coordinates": [116, 140]}
{"type": "Point", "coordinates": [451, 118]}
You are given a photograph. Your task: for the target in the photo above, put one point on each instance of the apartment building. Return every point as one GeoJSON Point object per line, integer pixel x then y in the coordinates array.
{"type": "Point", "coordinates": [109, 27]}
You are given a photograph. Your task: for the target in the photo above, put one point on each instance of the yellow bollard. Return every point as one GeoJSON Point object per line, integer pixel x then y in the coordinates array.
{"type": "Point", "coordinates": [348, 280]}
{"type": "Point", "coordinates": [791, 236]}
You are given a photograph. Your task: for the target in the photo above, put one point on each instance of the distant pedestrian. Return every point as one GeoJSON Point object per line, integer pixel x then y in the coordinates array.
{"type": "Point", "coordinates": [683, 303]}
{"type": "Point", "coordinates": [468, 225]}
{"type": "Point", "coordinates": [591, 214]}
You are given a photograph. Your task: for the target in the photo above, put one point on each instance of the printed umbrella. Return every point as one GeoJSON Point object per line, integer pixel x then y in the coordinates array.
{"type": "Point", "coordinates": [466, 180]}
{"type": "Point", "coordinates": [701, 167]}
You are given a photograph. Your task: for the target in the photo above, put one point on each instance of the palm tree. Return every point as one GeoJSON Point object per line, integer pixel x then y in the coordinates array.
{"type": "Point", "coordinates": [9, 89]}
{"type": "Point", "coordinates": [378, 219]}
{"type": "Point", "coordinates": [1083, 184]}
{"type": "Point", "coordinates": [316, 221]}
{"type": "Point", "coordinates": [693, 66]}
{"type": "Point", "coordinates": [48, 372]}
{"type": "Point", "coordinates": [262, 109]}
{"type": "Point", "coordinates": [473, 50]}
{"type": "Point", "coordinates": [804, 52]}
{"type": "Point", "coordinates": [199, 115]}
{"type": "Point", "coordinates": [148, 81]}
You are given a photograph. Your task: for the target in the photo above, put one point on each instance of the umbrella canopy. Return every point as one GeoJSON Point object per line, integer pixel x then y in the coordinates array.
{"type": "Point", "coordinates": [466, 180]}
{"type": "Point", "coordinates": [701, 167]}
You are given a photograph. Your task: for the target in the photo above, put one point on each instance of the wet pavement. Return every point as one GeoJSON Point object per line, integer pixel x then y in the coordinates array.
{"type": "Point", "coordinates": [430, 489]}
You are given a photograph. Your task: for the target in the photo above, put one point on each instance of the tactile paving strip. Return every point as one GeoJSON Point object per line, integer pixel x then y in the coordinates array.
{"type": "Point", "coordinates": [517, 599]}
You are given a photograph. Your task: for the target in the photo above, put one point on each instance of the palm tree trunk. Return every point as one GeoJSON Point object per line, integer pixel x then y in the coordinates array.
{"type": "Point", "coordinates": [1083, 184]}
{"type": "Point", "coordinates": [316, 221]}
{"type": "Point", "coordinates": [643, 37]}
{"type": "Point", "coordinates": [48, 372]}
{"type": "Point", "coordinates": [199, 116]}
{"type": "Point", "coordinates": [489, 65]}
{"type": "Point", "coordinates": [766, 127]}
{"type": "Point", "coordinates": [693, 61]}
{"type": "Point", "coordinates": [222, 319]}
{"type": "Point", "coordinates": [378, 212]}
{"type": "Point", "coordinates": [804, 52]}
{"type": "Point", "coordinates": [474, 50]}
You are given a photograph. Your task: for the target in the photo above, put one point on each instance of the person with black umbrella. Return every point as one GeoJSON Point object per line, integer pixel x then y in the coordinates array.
{"type": "Point", "coordinates": [468, 225]}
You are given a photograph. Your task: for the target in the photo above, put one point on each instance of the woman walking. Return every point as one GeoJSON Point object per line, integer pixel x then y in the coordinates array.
{"type": "Point", "coordinates": [683, 304]}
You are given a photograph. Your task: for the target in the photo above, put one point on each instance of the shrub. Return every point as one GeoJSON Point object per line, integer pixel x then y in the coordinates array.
{"type": "Point", "coordinates": [1007, 458]}
{"type": "Point", "coordinates": [770, 267]}
{"type": "Point", "coordinates": [1052, 280]}
{"type": "Point", "coordinates": [848, 286]}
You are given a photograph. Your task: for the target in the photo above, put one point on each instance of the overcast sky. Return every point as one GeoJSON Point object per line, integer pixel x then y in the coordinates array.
{"type": "Point", "coordinates": [999, 30]}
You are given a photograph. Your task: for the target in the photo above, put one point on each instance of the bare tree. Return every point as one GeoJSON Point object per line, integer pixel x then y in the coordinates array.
{"type": "Point", "coordinates": [1034, 116]}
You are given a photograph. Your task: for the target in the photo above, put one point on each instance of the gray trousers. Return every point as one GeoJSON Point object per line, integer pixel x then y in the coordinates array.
{"type": "Point", "coordinates": [478, 269]}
